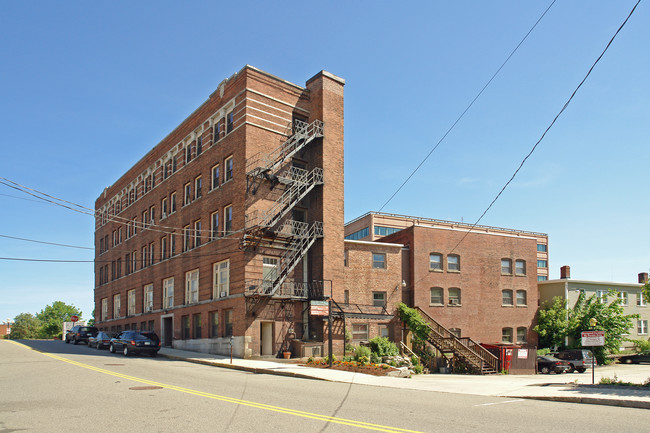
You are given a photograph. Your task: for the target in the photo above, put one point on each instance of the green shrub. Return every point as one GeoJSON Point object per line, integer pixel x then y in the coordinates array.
{"type": "Point", "coordinates": [542, 352]}
{"type": "Point", "coordinates": [374, 358]}
{"type": "Point", "coordinates": [641, 345]}
{"type": "Point", "coordinates": [415, 360]}
{"type": "Point", "coordinates": [383, 347]}
{"type": "Point", "coordinates": [348, 358]}
{"type": "Point", "coordinates": [363, 360]}
{"type": "Point", "coordinates": [360, 351]}
{"type": "Point", "coordinates": [418, 369]}
{"type": "Point", "coordinates": [310, 360]}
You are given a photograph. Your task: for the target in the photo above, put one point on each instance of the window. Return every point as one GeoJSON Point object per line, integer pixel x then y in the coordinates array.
{"type": "Point", "coordinates": [163, 206]}
{"type": "Point", "coordinates": [168, 292]}
{"type": "Point", "coordinates": [542, 264]}
{"type": "Point", "coordinates": [269, 272]}
{"type": "Point", "coordinates": [214, 177]}
{"type": "Point", "coordinates": [185, 324]}
{"type": "Point", "coordinates": [363, 233]}
{"type": "Point", "coordinates": [186, 237]}
{"type": "Point", "coordinates": [187, 197]}
{"type": "Point", "coordinates": [118, 268]}
{"type": "Point", "coordinates": [172, 244]}
{"type": "Point", "coordinates": [436, 296]}
{"type": "Point", "coordinates": [622, 296]}
{"type": "Point", "coordinates": [379, 260]}
{"type": "Point", "coordinates": [134, 261]}
{"type": "Point", "coordinates": [520, 267]}
{"type": "Point", "coordinates": [455, 331]}
{"type": "Point", "coordinates": [360, 331]}
{"type": "Point", "coordinates": [197, 233]}
{"type": "Point", "coordinates": [163, 248]}
{"type": "Point", "coordinates": [116, 306]}
{"type": "Point", "coordinates": [214, 324]}
{"type": "Point", "coordinates": [196, 326]}
{"type": "Point", "coordinates": [541, 248]}
{"type": "Point", "coordinates": [152, 215]}
{"type": "Point", "coordinates": [506, 267]}
{"type": "Point", "coordinates": [346, 297]}
{"type": "Point", "coordinates": [119, 235]}
{"type": "Point", "coordinates": [135, 226]}
{"type": "Point", "coordinates": [640, 300]}
{"type": "Point", "coordinates": [521, 335]}
{"type": "Point", "coordinates": [602, 296]}
{"type": "Point", "coordinates": [435, 262]}
{"type": "Point", "coordinates": [385, 231]}
{"type": "Point", "coordinates": [172, 202]}
{"type": "Point", "coordinates": [379, 299]}
{"type": "Point", "coordinates": [197, 187]}
{"type": "Point", "coordinates": [214, 225]}
{"type": "Point", "coordinates": [642, 327]}
{"type": "Point", "coordinates": [346, 263]}
{"type": "Point", "coordinates": [131, 301]}
{"type": "Point", "coordinates": [217, 131]}
{"type": "Point", "coordinates": [145, 257]}
{"type": "Point", "coordinates": [152, 255]}
{"type": "Point", "coordinates": [542, 278]}
{"type": "Point", "coordinates": [104, 309]}
{"type": "Point", "coordinates": [192, 287]}
{"type": "Point", "coordinates": [230, 122]}
{"type": "Point", "coordinates": [188, 153]}
{"type": "Point", "coordinates": [199, 145]}
{"type": "Point", "coordinates": [522, 298]}
{"type": "Point", "coordinates": [383, 331]}
{"type": "Point", "coordinates": [221, 279]}
{"type": "Point", "coordinates": [228, 164]}
{"type": "Point", "coordinates": [506, 297]}
{"type": "Point", "coordinates": [453, 263]}
{"type": "Point", "coordinates": [454, 296]}
{"type": "Point", "coordinates": [227, 219]}
{"type": "Point", "coordinates": [506, 335]}
{"type": "Point", "coordinates": [148, 298]}
{"type": "Point", "coordinates": [174, 165]}
{"type": "Point", "coordinates": [114, 238]}
{"type": "Point", "coordinates": [228, 323]}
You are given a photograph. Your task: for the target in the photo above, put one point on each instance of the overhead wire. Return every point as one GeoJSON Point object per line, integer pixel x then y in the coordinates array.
{"type": "Point", "coordinates": [566, 104]}
{"type": "Point", "coordinates": [467, 108]}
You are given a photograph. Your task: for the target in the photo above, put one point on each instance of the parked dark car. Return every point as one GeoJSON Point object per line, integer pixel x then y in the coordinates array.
{"type": "Point", "coordinates": [636, 359]}
{"type": "Point", "coordinates": [129, 342]}
{"type": "Point", "coordinates": [547, 364]}
{"type": "Point", "coordinates": [80, 333]}
{"type": "Point", "coordinates": [101, 340]}
{"type": "Point", "coordinates": [579, 359]}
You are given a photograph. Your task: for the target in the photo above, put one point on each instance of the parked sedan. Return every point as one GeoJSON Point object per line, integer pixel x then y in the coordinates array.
{"type": "Point", "coordinates": [80, 333]}
{"type": "Point", "coordinates": [101, 340]}
{"type": "Point", "coordinates": [547, 364]}
{"type": "Point", "coordinates": [636, 359]}
{"type": "Point", "coordinates": [129, 342]}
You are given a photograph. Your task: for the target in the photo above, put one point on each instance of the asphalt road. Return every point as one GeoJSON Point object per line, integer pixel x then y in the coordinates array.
{"type": "Point", "coordinates": [63, 388]}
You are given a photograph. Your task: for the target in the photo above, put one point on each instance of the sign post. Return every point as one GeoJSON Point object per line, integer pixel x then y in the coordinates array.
{"type": "Point", "coordinates": [593, 339]}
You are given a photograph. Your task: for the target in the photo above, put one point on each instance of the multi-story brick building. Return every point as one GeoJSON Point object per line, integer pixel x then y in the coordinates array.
{"type": "Point", "coordinates": [479, 283]}
{"type": "Point", "coordinates": [226, 230]}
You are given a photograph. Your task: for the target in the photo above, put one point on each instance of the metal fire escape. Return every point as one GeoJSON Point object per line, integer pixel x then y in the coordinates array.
{"type": "Point", "coordinates": [271, 228]}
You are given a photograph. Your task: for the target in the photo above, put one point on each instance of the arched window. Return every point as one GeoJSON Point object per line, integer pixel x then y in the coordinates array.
{"type": "Point", "coordinates": [454, 296]}
{"type": "Point", "coordinates": [506, 297]}
{"type": "Point", "coordinates": [436, 296]}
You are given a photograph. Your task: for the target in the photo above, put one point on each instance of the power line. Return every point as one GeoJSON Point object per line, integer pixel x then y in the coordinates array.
{"type": "Point", "coordinates": [468, 107]}
{"type": "Point", "coordinates": [566, 104]}
{"type": "Point", "coordinates": [46, 243]}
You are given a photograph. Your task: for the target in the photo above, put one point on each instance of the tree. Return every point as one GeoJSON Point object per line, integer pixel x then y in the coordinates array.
{"type": "Point", "coordinates": [646, 290]}
{"type": "Point", "coordinates": [91, 322]}
{"type": "Point", "coordinates": [25, 326]}
{"type": "Point", "coordinates": [610, 317]}
{"type": "Point", "coordinates": [53, 316]}
{"type": "Point", "coordinates": [552, 324]}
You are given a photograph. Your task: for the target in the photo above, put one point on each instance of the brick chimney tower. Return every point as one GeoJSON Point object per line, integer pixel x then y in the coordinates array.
{"type": "Point", "coordinates": [565, 272]}
{"type": "Point", "coordinates": [643, 277]}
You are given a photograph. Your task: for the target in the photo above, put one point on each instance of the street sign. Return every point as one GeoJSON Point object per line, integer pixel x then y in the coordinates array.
{"type": "Point", "coordinates": [74, 319]}
{"type": "Point", "coordinates": [593, 338]}
{"type": "Point", "coordinates": [319, 308]}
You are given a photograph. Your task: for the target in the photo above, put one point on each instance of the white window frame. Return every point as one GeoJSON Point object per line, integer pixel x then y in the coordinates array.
{"type": "Point", "coordinates": [148, 298]}
{"type": "Point", "coordinates": [453, 267]}
{"type": "Point", "coordinates": [360, 331]}
{"type": "Point", "coordinates": [640, 300]}
{"type": "Point", "coordinates": [523, 265]}
{"type": "Point", "coordinates": [379, 297]}
{"type": "Point", "coordinates": [214, 228]}
{"type": "Point", "coordinates": [104, 309]}
{"type": "Point", "coordinates": [116, 306]}
{"type": "Point", "coordinates": [435, 265]}
{"type": "Point", "coordinates": [131, 302]}
{"type": "Point", "coordinates": [168, 292]}
{"type": "Point", "coordinates": [642, 327]}
{"type": "Point", "coordinates": [228, 169]}
{"type": "Point", "coordinates": [454, 299]}
{"type": "Point", "coordinates": [192, 287]}
{"type": "Point", "coordinates": [442, 296]}
{"type": "Point", "coordinates": [503, 300]}
{"type": "Point", "coordinates": [227, 219]}
{"type": "Point", "coordinates": [624, 298]}
{"type": "Point", "coordinates": [382, 262]}
{"type": "Point", "coordinates": [221, 279]}
{"type": "Point", "coordinates": [215, 178]}
{"type": "Point", "coordinates": [509, 334]}
{"type": "Point", "coordinates": [525, 298]}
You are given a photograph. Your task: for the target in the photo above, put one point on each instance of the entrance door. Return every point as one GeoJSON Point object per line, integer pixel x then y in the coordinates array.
{"type": "Point", "coordinates": [167, 331]}
{"type": "Point", "coordinates": [267, 338]}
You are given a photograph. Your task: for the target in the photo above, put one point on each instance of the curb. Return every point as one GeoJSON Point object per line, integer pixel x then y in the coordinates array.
{"type": "Point", "coordinates": [254, 370]}
{"type": "Point", "coordinates": [634, 404]}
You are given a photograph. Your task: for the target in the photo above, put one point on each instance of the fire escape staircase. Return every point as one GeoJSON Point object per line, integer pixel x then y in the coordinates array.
{"type": "Point", "coordinates": [271, 228]}
{"type": "Point", "coordinates": [475, 356]}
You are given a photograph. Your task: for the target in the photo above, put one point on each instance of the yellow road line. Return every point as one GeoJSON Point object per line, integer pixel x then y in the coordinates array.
{"type": "Point", "coordinates": [287, 411]}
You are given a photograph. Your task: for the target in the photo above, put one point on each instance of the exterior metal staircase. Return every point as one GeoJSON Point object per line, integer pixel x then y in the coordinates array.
{"type": "Point", "coordinates": [270, 227]}
{"type": "Point", "coordinates": [303, 134]}
{"type": "Point", "coordinates": [476, 356]}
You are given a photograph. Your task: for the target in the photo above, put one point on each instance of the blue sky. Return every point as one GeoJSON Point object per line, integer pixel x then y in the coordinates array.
{"type": "Point", "coordinates": [88, 89]}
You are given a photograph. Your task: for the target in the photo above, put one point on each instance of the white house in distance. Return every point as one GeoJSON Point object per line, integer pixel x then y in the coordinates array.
{"type": "Point", "coordinates": [631, 295]}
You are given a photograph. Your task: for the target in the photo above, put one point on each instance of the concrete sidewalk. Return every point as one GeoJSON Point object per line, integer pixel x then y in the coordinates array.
{"type": "Point", "coordinates": [573, 388]}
